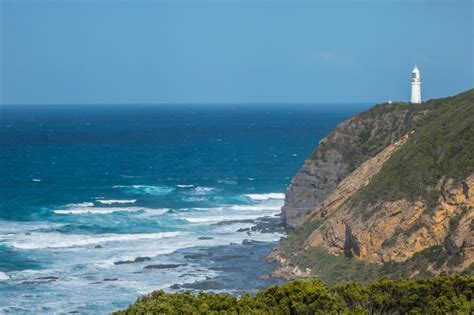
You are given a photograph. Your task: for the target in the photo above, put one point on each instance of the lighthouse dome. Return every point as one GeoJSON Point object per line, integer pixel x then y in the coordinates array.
{"type": "Point", "coordinates": [415, 70]}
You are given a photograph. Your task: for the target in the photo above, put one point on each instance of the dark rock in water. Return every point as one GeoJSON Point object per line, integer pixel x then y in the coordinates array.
{"type": "Point", "coordinates": [39, 280]}
{"type": "Point", "coordinates": [136, 260]}
{"type": "Point", "coordinates": [243, 230]}
{"type": "Point", "coordinates": [205, 238]}
{"type": "Point", "coordinates": [164, 266]}
{"type": "Point", "coordinates": [231, 222]}
{"type": "Point", "coordinates": [237, 267]}
{"type": "Point", "coordinates": [268, 225]}
{"type": "Point", "coordinates": [123, 262]}
{"type": "Point", "coordinates": [196, 256]}
{"type": "Point", "coordinates": [110, 279]}
{"type": "Point", "coordinates": [48, 278]}
{"type": "Point", "coordinates": [98, 246]}
{"type": "Point", "coordinates": [27, 233]}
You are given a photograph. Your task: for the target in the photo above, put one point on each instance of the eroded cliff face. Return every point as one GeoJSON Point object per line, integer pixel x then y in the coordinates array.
{"type": "Point", "coordinates": [395, 231]}
{"type": "Point", "coordinates": [341, 152]}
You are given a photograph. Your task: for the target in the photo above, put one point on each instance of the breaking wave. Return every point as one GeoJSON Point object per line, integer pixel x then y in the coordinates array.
{"type": "Point", "coordinates": [98, 210]}
{"type": "Point", "coordinates": [266, 196]}
{"type": "Point", "coordinates": [116, 201]}
{"type": "Point", "coordinates": [58, 240]}
{"type": "Point", "coordinates": [147, 189]}
{"type": "Point", "coordinates": [3, 276]}
{"type": "Point", "coordinates": [184, 186]}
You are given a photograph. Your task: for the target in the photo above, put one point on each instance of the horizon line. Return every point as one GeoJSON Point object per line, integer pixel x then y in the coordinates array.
{"type": "Point", "coordinates": [200, 103]}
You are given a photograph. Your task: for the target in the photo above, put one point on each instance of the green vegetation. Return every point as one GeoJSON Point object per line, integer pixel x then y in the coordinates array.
{"type": "Point", "coordinates": [339, 268]}
{"type": "Point", "coordinates": [368, 133]}
{"type": "Point", "coordinates": [334, 268]}
{"type": "Point", "coordinates": [437, 295]}
{"type": "Point", "coordinates": [441, 148]}
{"type": "Point", "coordinates": [296, 239]}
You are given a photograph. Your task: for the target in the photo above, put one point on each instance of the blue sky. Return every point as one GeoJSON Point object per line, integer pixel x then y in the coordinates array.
{"type": "Point", "coordinates": [106, 51]}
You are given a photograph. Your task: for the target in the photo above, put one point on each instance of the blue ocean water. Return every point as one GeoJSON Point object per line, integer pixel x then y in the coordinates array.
{"type": "Point", "coordinates": [83, 188]}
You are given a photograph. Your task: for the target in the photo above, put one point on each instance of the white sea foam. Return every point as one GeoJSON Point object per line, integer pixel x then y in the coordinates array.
{"type": "Point", "coordinates": [116, 201]}
{"type": "Point", "coordinates": [203, 209]}
{"type": "Point", "coordinates": [203, 190]}
{"type": "Point", "coordinates": [14, 227]}
{"type": "Point", "coordinates": [266, 196]}
{"type": "Point", "coordinates": [147, 189]}
{"type": "Point", "coordinates": [269, 207]}
{"type": "Point", "coordinates": [36, 179]}
{"type": "Point", "coordinates": [57, 240]}
{"type": "Point", "coordinates": [98, 210]}
{"type": "Point", "coordinates": [184, 186]}
{"type": "Point", "coordinates": [221, 218]}
{"type": "Point", "coordinates": [3, 276]}
{"type": "Point", "coordinates": [82, 204]}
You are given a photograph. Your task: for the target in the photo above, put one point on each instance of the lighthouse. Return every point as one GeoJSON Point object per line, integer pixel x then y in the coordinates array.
{"type": "Point", "coordinates": [415, 86]}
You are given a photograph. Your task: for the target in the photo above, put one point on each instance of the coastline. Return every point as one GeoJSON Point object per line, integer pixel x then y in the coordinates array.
{"type": "Point", "coordinates": [240, 268]}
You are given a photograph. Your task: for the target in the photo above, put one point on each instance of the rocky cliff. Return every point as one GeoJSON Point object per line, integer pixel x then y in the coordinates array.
{"type": "Point", "coordinates": [341, 152]}
{"type": "Point", "coordinates": [388, 192]}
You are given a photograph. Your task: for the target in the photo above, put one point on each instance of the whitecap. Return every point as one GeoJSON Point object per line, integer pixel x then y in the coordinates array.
{"type": "Point", "coordinates": [184, 186]}
{"type": "Point", "coordinates": [36, 179]}
{"type": "Point", "coordinates": [97, 210]}
{"type": "Point", "coordinates": [221, 218]}
{"type": "Point", "coordinates": [266, 196]}
{"type": "Point", "coordinates": [15, 227]}
{"type": "Point", "coordinates": [82, 204]}
{"type": "Point", "coordinates": [203, 190]}
{"type": "Point", "coordinates": [208, 209]}
{"type": "Point", "coordinates": [4, 276]}
{"type": "Point", "coordinates": [59, 240]}
{"type": "Point", "coordinates": [117, 201]}
{"type": "Point", "coordinates": [147, 189]}
{"type": "Point", "coordinates": [256, 207]}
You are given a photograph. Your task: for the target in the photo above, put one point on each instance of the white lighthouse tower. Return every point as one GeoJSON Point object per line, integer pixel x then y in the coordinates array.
{"type": "Point", "coordinates": [415, 86]}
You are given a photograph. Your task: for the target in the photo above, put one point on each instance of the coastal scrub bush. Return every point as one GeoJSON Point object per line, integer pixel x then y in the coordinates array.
{"type": "Point", "coordinates": [436, 295]}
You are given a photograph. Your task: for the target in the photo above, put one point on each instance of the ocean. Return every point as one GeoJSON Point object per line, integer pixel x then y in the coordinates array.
{"type": "Point", "coordinates": [101, 204]}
